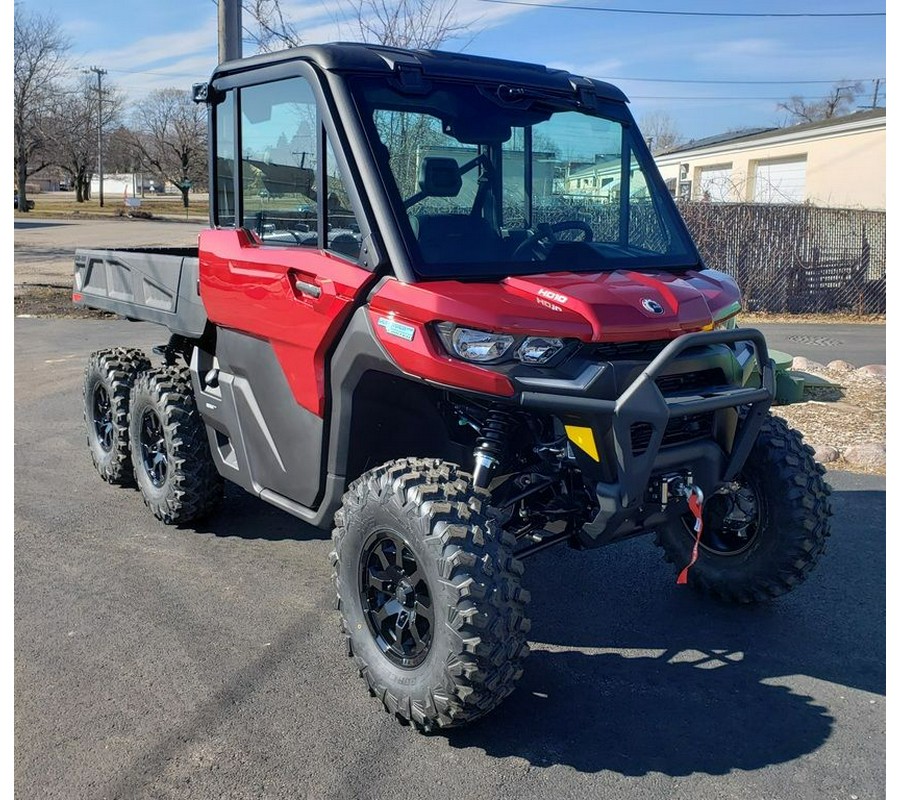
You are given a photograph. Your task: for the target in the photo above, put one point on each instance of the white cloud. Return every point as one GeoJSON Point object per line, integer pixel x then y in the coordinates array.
{"type": "Point", "coordinates": [591, 69]}
{"type": "Point", "coordinates": [725, 51]}
{"type": "Point", "coordinates": [153, 52]}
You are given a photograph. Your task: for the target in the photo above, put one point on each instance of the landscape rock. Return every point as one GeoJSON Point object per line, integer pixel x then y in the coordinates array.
{"type": "Point", "coordinates": [839, 365]}
{"type": "Point", "coordinates": [806, 364]}
{"type": "Point", "coordinates": [825, 453]}
{"type": "Point", "coordinates": [871, 455]}
{"type": "Point", "coordinates": [873, 371]}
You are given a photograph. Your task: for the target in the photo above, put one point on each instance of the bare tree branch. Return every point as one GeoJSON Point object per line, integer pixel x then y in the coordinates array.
{"type": "Point", "coordinates": [39, 50]}
{"type": "Point", "coordinates": [839, 101]}
{"type": "Point", "coordinates": [417, 24]}
{"type": "Point", "coordinates": [660, 131]}
{"type": "Point", "coordinates": [171, 137]}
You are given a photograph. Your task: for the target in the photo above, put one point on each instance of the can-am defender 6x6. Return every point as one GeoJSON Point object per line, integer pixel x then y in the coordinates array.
{"type": "Point", "coordinates": [447, 306]}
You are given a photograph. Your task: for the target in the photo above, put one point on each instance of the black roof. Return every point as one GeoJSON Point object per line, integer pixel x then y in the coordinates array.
{"type": "Point", "coordinates": [368, 58]}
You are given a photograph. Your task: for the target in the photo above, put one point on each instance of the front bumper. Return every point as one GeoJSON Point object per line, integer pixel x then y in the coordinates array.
{"type": "Point", "coordinates": [644, 407]}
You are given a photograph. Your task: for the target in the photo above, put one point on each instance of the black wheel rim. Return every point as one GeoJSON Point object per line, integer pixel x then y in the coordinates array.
{"type": "Point", "coordinates": [154, 453]}
{"type": "Point", "coordinates": [731, 520]}
{"type": "Point", "coordinates": [396, 599]}
{"type": "Point", "coordinates": [101, 413]}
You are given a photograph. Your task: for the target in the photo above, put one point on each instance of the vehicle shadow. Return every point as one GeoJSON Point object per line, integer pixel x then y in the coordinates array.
{"type": "Point", "coordinates": [247, 517]}
{"type": "Point", "coordinates": [657, 713]}
{"type": "Point", "coordinates": [676, 683]}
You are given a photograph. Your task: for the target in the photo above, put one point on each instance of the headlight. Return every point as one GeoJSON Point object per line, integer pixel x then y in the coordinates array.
{"type": "Point", "coordinates": [726, 324]}
{"type": "Point", "coordinates": [482, 347]}
{"type": "Point", "coordinates": [538, 349]}
{"type": "Point", "coordinates": [485, 347]}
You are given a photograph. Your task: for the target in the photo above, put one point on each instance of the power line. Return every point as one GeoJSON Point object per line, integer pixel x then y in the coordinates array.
{"type": "Point", "coordinates": [160, 74]}
{"type": "Point", "coordinates": [717, 97]}
{"type": "Point", "coordinates": [661, 13]}
{"type": "Point", "coordinates": [620, 78]}
{"type": "Point", "coordinates": [735, 83]}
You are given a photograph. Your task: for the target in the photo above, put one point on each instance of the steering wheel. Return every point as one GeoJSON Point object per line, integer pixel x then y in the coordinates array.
{"type": "Point", "coordinates": [542, 238]}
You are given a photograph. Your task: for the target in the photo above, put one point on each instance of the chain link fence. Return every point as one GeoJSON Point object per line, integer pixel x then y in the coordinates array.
{"type": "Point", "coordinates": [795, 258]}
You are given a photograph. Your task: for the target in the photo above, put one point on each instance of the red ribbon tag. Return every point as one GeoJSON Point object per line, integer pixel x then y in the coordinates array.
{"type": "Point", "coordinates": [695, 504]}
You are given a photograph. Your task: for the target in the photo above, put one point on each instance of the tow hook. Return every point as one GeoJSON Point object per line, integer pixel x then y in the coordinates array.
{"type": "Point", "coordinates": [678, 486]}
{"type": "Point", "coordinates": [668, 488]}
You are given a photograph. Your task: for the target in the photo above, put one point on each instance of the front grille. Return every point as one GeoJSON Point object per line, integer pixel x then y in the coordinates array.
{"type": "Point", "coordinates": [626, 351]}
{"type": "Point", "coordinates": [698, 381]}
{"type": "Point", "coordinates": [678, 431]}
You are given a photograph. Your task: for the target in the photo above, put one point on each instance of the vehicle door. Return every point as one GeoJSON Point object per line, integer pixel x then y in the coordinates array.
{"type": "Point", "coordinates": [279, 275]}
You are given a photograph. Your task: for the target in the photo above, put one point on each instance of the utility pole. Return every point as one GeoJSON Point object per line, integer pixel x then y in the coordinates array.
{"type": "Point", "coordinates": [875, 96]}
{"type": "Point", "coordinates": [100, 73]}
{"type": "Point", "coordinates": [229, 30]}
{"type": "Point", "coordinates": [877, 82]}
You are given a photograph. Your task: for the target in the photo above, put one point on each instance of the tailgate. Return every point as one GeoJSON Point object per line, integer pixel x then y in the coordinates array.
{"type": "Point", "coordinates": [158, 285]}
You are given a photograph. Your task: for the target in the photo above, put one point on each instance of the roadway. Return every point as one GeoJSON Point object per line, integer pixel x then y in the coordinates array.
{"type": "Point", "coordinates": [205, 662]}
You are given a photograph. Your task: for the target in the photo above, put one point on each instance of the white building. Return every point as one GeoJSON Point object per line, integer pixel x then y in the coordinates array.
{"type": "Point", "coordinates": [837, 163]}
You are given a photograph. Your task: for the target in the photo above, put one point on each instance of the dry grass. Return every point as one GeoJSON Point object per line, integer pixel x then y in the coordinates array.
{"type": "Point", "coordinates": [837, 318]}
{"type": "Point", "coordinates": [64, 204]}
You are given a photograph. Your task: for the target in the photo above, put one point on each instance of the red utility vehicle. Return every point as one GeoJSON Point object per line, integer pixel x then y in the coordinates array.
{"type": "Point", "coordinates": [447, 306]}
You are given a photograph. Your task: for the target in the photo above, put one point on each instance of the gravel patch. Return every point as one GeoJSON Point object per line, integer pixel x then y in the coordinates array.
{"type": "Point", "coordinates": [844, 423]}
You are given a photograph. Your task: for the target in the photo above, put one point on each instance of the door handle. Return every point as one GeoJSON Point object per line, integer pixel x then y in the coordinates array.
{"type": "Point", "coordinates": [308, 288]}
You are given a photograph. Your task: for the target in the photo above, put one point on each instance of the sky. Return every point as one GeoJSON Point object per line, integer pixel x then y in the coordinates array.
{"type": "Point", "coordinates": [709, 74]}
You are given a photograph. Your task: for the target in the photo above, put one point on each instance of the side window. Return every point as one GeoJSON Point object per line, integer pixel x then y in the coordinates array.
{"type": "Point", "coordinates": [278, 162]}
{"type": "Point", "coordinates": [225, 152]}
{"type": "Point", "coordinates": [343, 229]}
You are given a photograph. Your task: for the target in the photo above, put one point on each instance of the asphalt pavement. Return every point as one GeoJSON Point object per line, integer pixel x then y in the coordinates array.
{"type": "Point", "coordinates": [205, 662]}
{"type": "Point", "coordinates": [860, 344]}
{"type": "Point", "coordinates": [44, 248]}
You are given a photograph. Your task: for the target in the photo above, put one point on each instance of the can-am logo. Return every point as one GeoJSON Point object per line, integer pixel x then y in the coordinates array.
{"type": "Point", "coordinates": [652, 306]}
{"type": "Point", "coordinates": [556, 297]}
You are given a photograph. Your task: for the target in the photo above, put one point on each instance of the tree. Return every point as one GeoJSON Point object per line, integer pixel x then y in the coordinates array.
{"type": "Point", "coordinates": [122, 153]}
{"type": "Point", "coordinates": [660, 131]}
{"type": "Point", "coordinates": [39, 49]}
{"type": "Point", "coordinates": [170, 135]}
{"type": "Point", "coordinates": [419, 24]}
{"type": "Point", "coordinates": [424, 24]}
{"type": "Point", "coordinates": [72, 131]}
{"type": "Point", "coordinates": [839, 101]}
{"type": "Point", "coordinates": [272, 31]}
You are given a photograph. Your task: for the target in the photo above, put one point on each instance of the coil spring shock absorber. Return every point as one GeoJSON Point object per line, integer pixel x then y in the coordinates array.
{"type": "Point", "coordinates": [491, 443]}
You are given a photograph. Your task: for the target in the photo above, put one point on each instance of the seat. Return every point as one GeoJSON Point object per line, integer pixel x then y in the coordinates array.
{"type": "Point", "coordinates": [456, 239]}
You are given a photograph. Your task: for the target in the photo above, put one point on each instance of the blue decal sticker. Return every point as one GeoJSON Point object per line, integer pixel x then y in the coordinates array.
{"type": "Point", "coordinates": [397, 328]}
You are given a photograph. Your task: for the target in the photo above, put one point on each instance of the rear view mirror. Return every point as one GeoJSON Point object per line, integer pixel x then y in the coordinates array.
{"type": "Point", "coordinates": [478, 129]}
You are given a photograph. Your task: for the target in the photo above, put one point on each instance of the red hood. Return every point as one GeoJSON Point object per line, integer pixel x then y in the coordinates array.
{"type": "Point", "coordinates": [627, 304]}
{"type": "Point", "coordinates": [623, 305]}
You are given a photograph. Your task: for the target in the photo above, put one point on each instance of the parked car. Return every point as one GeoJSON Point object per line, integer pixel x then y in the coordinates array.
{"type": "Point", "coordinates": [30, 203]}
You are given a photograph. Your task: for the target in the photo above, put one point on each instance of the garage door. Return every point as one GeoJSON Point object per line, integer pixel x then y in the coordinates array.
{"type": "Point", "coordinates": [782, 181]}
{"type": "Point", "coordinates": [715, 183]}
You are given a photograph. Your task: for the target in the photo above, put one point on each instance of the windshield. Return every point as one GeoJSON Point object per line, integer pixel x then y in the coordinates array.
{"type": "Point", "coordinates": [489, 182]}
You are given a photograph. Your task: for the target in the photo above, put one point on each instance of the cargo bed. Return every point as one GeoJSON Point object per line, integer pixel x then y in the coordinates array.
{"type": "Point", "coordinates": [151, 284]}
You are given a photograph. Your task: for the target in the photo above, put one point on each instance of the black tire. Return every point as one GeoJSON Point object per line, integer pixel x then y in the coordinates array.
{"type": "Point", "coordinates": [108, 381]}
{"type": "Point", "coordinates": [783, 540]}
{"type": "Point", "coordinates": [462, 569]}
{"type": "Point", "coordinates": [169, 448]}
